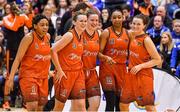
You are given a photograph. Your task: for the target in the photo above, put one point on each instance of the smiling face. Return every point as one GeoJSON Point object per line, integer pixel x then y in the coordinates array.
{"type": "Point", "coordinates": [137, 25]}
{"type": "Point", "coordinates": [42, 27]}
{"type": "Point", "coordinates": [117, 18]}
{"type": "Point", "coordinates": [93, 21]}
{"type": "Point", "coordinates": [80, 22]}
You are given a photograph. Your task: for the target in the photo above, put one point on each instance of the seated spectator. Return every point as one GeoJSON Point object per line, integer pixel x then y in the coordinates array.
{"type": "Point", "coordinates": [161, 11]}
{"type": "Point", "coordinates": [175, 59]}
{"type": "Point", "coordinates": [164, 65]}
{"type": "Point", "coordinates": [156, 31]}
{"type": "Point", "coordinates": [145, 8]}
{"type": "Point", "coordinates": [105, 18]}
{"type": "Point", "coordinates": [176, 31]}
{"type": "Point", "coordinates": [63, 6]}
{"type": "Point", "coordinates": [126, 9]}
{"type": "Point", "coordinates": [166, 46]}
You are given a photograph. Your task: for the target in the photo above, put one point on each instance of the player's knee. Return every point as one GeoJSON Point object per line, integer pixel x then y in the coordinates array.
{"type": "Point", "coordinates": [94, 106]}
{"type": "Point", "coordinates": [32, 106]}
{"type": "Point", "coordinates": [79, 105]}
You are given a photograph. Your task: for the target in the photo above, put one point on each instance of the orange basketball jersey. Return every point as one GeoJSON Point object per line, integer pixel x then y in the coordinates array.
{"type": "Point", "coordinates": [117, 45]}
{"type": "Point", "coordinates": [91, 49]}
{"type": "Point", "coordinates": [70, 55]}
{"type": "Point", "coordinates": [34, 63]}
{"type": "Point", "coordinates": [138, 52]}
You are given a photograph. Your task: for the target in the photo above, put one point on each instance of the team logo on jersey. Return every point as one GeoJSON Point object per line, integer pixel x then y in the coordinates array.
{"type": "Point", "coordinates": [47, 43]}
{"type": "Point", "coordinates": [108, 80]}
{"type": "Point", "coordinates": [139, 43]}
{"type": "Point", "coordinates": [111, 41]}
{"type": "Point", "coordinates": [74, 46]}
{"type": "Point", "coordinates": [33, 90]}
{"type": "Point", "coordinates": [36, 46]}
{"type": "Point", "coordinates": [63, 93]}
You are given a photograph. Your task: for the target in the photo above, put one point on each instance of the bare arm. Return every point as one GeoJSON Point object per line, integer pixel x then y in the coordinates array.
{"type": "Point", "coordinates": [59, 45]}
{"type": "Point", "coordinates": [155, 58]}
{"type": "Point", "coordinates": [103, 40]}
{"type": "Point", "coordinates": [26, 41]}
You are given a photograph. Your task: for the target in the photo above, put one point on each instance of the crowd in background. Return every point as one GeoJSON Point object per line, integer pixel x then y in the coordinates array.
{"type": "Point", "coordinates": [163, 27]}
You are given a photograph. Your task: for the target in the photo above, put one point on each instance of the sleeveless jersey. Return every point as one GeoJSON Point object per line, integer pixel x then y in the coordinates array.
{"type": "Point", "coordinates": [70, 57]}
{"type": "Point", "coordinates": [138, 53]}
{"type": "Point", "coordinates": [117, 45]}
{"type": "Point", "coordinates": [33, 63]}
{"type": "Point", "coordinates": [91, 49]}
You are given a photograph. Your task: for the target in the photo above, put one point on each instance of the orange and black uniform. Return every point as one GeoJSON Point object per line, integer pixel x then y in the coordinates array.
{"type": "Point", "coordinates": [70, 59]}
{"type": "Point", "coordinates": [111, 76]}
{"type": "Point", "coordinates": [34, 69]}
{"type": "Point", "coordinates": [138, 87]}
{"type": "Point", "coordinates": [91, 49]}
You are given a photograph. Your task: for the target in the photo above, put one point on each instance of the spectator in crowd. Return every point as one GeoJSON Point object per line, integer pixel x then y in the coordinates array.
{"type": "Point", "coordinates": [33, 56]}
{"type": "Point", "coordinates": [166, 46]}
{"type": "Point", "coordinates": [53, 4]}
{"type": "Point", "coordinates": [156, 31]}
{"type": "Point", "coordinates": [2, 4]}
{"type": "Point", "coordinates": [175, 59]}
{"type": "Point", "coordinates": [164, 65]}
{"type": "Point", "coordinates": [58, 26]}
{"type": "Point", "coordinates": [126, 9]}
{"type": "Point", "coordinates": [113, 46]}
{"type": "Point", "coordinates": [7, 9]}
{"type": "Point", "coordinates": [67, 15]}
{"type": "Point", "coordinates": [66, 55]}
{"type": "Point", "coordinates": [161, 11]}
{"type": "Point", "coordinates": [62, 7]}
{"type": "Point", "coordinates": [145, 8]}
{"type": "Point", "coordinates": [176, 31]}
{"type": "Point", "coordinates": [48, 13]}
{"type": "Point", "coordinates": [27, 9]}
{"type": "Point", "coordinates": [105, 17]}
{"type": "Point", "coordinates": [138, 81]}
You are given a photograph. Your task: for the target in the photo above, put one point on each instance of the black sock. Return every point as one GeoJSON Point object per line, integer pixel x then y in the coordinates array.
{"type": "Point", "coordinates": [110, 100]}
{"type": "Point", "coordinates": [117, 109]}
